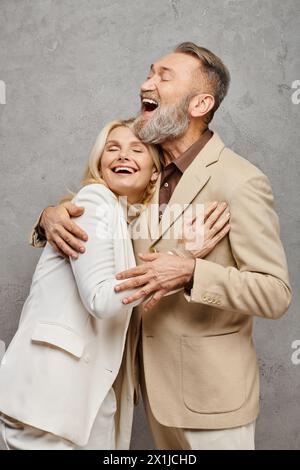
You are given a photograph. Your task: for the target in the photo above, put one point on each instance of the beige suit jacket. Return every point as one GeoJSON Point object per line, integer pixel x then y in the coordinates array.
{"type": "Point", "coordinates": [200, 364]}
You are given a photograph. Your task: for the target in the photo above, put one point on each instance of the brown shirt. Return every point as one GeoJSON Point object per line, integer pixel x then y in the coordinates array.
{"type": "Point", "coordinates": [172, 172]}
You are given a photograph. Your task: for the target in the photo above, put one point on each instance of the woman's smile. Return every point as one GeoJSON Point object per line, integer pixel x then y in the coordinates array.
{"type": "Point", "coordinates": [126, 164]}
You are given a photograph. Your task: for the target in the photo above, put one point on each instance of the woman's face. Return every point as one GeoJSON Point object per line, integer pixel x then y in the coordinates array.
{"type": "Point", "coordinates": [126, 165]}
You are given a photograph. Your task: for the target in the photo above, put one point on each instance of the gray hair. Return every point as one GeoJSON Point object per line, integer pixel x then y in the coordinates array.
{"type": "Point", "coordinates": [215, 72]}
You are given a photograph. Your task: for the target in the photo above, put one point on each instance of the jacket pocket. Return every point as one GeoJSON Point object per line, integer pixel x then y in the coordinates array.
{"type": "Point", "coordinates": [59, 336]}
{"type": "Point", "coordinates": [213, 376]}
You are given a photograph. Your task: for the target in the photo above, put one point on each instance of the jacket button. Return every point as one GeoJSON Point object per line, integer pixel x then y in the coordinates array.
{"type": "Point", "coordinates": [204, 298]}
{"type": "Point", "coordinates": [218, 302]}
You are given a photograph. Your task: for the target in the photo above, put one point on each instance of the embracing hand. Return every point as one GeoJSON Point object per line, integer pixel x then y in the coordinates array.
{"type": "Point", "coordinates": [200, 237]}
{"type": "Point", "coordinates": [162, 273]}
{"type": "Point", "coordinates": [159, 274]}
{"type": "Point", "coordinates": [61, 232]}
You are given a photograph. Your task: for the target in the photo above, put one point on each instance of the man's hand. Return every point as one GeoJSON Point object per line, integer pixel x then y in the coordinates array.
{"type": "Point", "coordinates": [160, 274]}
{"type": "Point", "coordinates": [61, 232]}
{"type": "Point", "coordinates": [163, 272]}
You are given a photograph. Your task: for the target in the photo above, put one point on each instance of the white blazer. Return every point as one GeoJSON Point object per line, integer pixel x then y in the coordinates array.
{"type": "Point", "coordinates": [68, 348]}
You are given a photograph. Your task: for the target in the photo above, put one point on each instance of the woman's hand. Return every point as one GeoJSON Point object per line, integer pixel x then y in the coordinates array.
{"type": "Point", "coordinates": [201, 237]}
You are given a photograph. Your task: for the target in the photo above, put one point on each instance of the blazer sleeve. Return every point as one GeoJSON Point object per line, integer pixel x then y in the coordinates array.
{"type": "Point", "coordinates": [37, 238]}
{"type": "Point", "coordinates": [94, 270]}
{"type": "Point", "coordinates": [259, 284]}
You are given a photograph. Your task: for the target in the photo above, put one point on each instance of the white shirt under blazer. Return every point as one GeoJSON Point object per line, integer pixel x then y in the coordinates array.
{"type": "Point", "coordinates": [68, 349]}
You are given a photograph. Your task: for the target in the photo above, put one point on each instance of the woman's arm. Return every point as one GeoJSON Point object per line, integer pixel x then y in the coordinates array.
{"type": "Point", "coordinates": [94, 270]}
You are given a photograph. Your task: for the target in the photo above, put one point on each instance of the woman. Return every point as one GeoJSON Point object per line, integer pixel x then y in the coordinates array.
{"type": "Point", "coordinates": [57, 376]}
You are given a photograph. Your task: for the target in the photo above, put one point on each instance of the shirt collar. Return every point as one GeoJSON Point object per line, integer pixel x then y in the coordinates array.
{"type": "Point", "coordinates": [183, 161]}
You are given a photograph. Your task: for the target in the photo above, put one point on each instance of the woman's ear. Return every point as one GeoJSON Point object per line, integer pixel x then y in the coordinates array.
{"type": "Point", "coordinates": [154, 175]}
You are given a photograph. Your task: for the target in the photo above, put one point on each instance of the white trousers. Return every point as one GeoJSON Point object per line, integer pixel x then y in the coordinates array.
{"type": "Point", "coordinates": [20, 436]}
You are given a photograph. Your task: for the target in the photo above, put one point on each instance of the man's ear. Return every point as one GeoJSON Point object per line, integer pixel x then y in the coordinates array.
{"type": "Point", "coordinates": [201, 104]}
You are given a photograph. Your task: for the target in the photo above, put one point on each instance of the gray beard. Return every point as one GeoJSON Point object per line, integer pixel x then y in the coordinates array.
{"type": "Point", "coordinates": [167, 124]}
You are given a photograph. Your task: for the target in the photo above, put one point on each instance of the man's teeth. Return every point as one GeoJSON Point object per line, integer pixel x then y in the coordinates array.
{"type": "Point", "coordinates": [149, 101]}
{"type": "Point", "coordinates": [123, 169]}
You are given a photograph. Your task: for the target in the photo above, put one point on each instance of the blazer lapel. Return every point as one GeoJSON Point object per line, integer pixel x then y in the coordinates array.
{"type": "Point", "coordinates": [153, 212]}
{"type": "Point", "coordinates": [191, 183]}
{"type": "Point", "coordinates": [144, 229]}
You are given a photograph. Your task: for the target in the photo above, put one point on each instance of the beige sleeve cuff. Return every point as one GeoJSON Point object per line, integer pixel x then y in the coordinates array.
{"type": "Point", "coordinates": [204, 289]}
{"type": "Point", "coordinates": [37, 238]}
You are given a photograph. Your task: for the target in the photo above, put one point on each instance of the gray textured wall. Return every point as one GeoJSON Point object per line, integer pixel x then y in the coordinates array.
{"type": "Point", "coordinates": [70, 66]}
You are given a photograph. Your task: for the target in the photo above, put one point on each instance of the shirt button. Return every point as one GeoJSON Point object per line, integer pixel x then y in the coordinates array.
{"type": "Point", "coordinates": [160, 215]}
{"type": "Point", "coordinates": [166, 185]}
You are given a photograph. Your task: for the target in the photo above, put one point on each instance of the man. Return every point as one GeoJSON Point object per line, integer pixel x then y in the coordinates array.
{"type": "Point", "coordinates": [198, 369]}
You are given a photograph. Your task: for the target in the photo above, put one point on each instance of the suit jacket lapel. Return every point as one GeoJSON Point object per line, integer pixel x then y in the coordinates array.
{"type": "Point", "coordinates": [191, 183]}
{"type": "Point", "coordinates": [153, 212]}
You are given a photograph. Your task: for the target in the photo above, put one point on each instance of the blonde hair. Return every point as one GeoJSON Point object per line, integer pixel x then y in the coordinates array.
{"type": "Point", "coordinates": [92, 173]}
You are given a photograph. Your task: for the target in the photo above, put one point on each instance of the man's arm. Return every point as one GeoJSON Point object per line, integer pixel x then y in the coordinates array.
{"type": "Point", "coordinates": [259, 285]}
{"type": "Point", "coordinates": [37, 237]}
{"type": "Point", "coordinates": [56, 226]}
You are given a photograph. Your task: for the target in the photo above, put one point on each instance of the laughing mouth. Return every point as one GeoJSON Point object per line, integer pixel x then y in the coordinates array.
{"type": "Point", "coordinates": [125, 170]}
{"type": "Point", "coordinates": [149, 104]}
